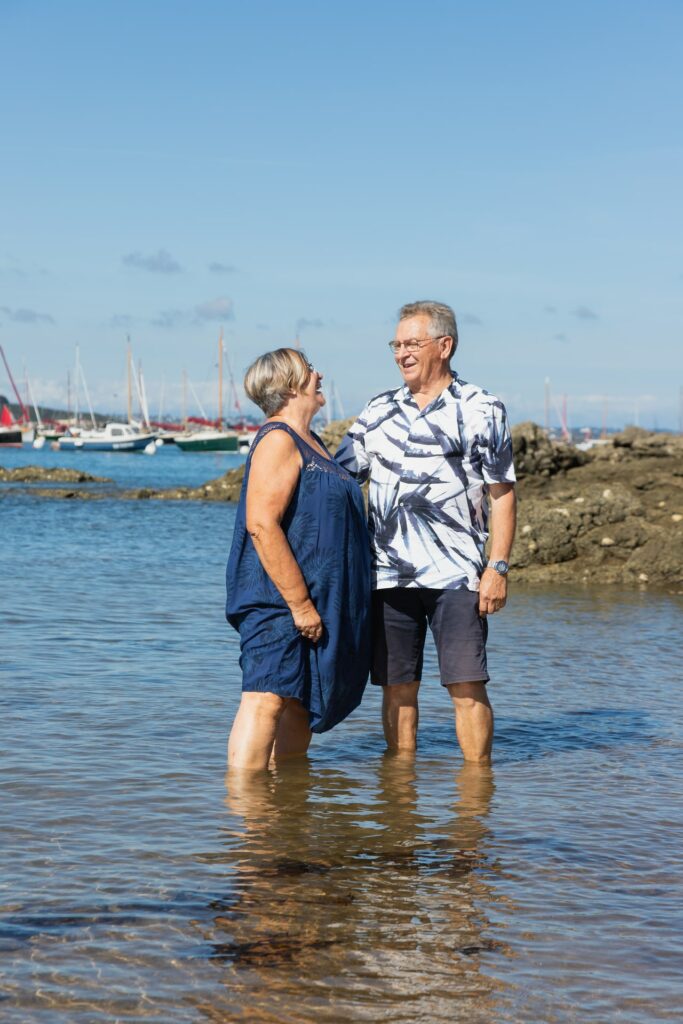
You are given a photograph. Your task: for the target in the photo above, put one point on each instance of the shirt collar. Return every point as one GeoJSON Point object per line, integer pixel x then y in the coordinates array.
{"type": "Point", "coordinates": [447, 396]}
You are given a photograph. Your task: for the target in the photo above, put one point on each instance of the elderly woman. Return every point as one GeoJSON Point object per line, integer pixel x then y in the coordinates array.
{"type": "Point", "coordinates": [298, 576]}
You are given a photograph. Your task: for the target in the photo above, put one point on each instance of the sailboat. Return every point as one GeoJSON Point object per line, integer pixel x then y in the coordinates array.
{"type": "Point", "coordinates": [210, 439]}
{"type": "Point", "coordinates": [10, 429]}
{"type": "Point", "coordinates": [112, 437]}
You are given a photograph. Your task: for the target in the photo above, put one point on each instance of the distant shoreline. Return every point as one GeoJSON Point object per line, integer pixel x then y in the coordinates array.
{"type": "Point", "coordinates": [613, 515]}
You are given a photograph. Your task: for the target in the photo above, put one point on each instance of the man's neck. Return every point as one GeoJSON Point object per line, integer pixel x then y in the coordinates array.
{"type": "Point", "coordinates": [426, 393]}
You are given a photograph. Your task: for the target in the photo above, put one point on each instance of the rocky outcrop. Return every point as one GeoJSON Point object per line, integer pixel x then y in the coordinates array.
{"type": "Point", "coordinates": [333, 433]}
{"type": "Point", "coordinates": [615, 518]}
{"type": "Point", "coordinates": [536, 455]}
{"type": "Point", "coordinates": [39, 474]}
{"type": "Point", "coordinates": [223, 488]}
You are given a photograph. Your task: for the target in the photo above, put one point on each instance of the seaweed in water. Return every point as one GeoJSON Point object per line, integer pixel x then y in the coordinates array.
{"type": "Point", "coordinates": [269, 951]}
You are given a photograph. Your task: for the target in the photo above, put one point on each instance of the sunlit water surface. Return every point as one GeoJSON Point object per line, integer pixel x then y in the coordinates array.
{"type": "Point", "coordinates": [167, 467]}
{"type": "Point", "coordinates": [354, 887]}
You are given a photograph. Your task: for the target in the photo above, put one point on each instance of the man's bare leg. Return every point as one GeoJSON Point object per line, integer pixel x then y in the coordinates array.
{"type": "Point", "coordinates": [293, 736]}
{"type": "Point", "coordinates": [473, 720]}
{"type": "Point", "coordinates": [400, 715]}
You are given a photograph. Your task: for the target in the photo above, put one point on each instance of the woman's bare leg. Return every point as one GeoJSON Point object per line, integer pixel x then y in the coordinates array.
{"type": "Point", "coordinates": [293, 735]}
{"type": "Point", "coordinates": [253, 732]}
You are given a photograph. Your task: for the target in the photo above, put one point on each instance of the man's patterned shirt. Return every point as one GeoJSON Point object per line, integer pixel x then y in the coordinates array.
{"type": "Point", "coordinates": [429, 470]}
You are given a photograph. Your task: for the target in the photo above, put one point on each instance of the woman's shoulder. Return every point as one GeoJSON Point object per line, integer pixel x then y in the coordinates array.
{"type": "Point", "coordinates": [273, 445]}
{"type": "Point", "coordinates": [274, 436]}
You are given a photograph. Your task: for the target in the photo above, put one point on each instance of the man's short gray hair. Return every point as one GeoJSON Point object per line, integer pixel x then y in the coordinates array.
{"type": "Point", "coordinates": [442, 318]}
{"type": "Point", "coordinates": [272, 378]}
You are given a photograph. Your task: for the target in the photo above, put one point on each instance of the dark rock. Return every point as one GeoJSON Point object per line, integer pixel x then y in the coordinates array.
{"type": "Point", "coordinates": [29, 474]}
{"type": "Point", "coordinates": [535, 454]}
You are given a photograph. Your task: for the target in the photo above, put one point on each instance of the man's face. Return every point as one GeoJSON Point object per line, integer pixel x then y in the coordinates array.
{"type": "Point", "coordinates": [430, 361]}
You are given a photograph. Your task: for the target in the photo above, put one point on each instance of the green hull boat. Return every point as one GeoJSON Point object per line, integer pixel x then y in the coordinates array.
{"type": "Point", "coordinates": [209, 441]}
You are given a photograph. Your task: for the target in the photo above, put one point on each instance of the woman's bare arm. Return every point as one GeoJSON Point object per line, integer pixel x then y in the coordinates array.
{"type": "Point", "coordinates": [274, 473]}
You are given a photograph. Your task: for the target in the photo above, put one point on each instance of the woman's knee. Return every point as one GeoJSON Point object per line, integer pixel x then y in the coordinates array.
{"type": "Point", "coordinates": [264, 705]}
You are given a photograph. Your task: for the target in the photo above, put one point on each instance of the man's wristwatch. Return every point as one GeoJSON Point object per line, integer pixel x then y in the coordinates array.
{"type": "Point", "coordinates": [501, 567]}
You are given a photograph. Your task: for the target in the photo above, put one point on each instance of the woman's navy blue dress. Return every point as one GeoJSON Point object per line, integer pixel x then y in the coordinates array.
{"type": "Point", "coordinates": [325, 525]}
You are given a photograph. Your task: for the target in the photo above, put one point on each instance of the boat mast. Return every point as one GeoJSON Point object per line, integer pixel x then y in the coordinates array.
{"type": "Point", "coordinates": [220, 381]}
{"type": "Point", "coordinates": [24, 413]}
{"type": "Point", "coordinates": [87, 398]}
{"type": "Point", "coordinates": [184, 409]}
{"type": "Point", "coordinates": [33, 401]}
{"type": "Point", "coordinates": [77, 377]}
{"type": "Point", "coordinates": [161, 398]}
{"type": "Point", "coordinates": [144, 407]}
{"type": "Point", "coordinates": [129, 368]}
{"type": "Point", "coordinates": [233, 389]}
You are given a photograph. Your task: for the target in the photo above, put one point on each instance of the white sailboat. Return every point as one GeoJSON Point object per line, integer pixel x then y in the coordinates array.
{"type": "Point", "coordinates": [112, 437]}
{"type": "Point", "coordinates": [211, 439]}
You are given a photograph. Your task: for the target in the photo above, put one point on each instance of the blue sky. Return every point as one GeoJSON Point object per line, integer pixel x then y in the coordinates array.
{"type": "Point", "coordinates": [169, 168]}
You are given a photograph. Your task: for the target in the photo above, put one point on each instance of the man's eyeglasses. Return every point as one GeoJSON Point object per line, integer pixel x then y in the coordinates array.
{"type": "Point", "coordinates": [413, 344]}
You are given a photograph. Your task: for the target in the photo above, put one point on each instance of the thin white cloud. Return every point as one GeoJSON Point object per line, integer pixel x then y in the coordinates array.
{"type": "Point", "coordinates": [212, 311]}
{"type": "Point", "coordinates": [160, 262]}
{"type": "Point", "coordinates": [121, 321]}
{"type": "Point", "coordinates": [303, 324]}
{"type": "Point", "coordinates": [585, 313]}
{"type": "Point", "coordinates": [470, 318]}
{"type": "Point", "coordinates": [26, 316]}
{"type": "Point", "coordinates": [215, 309]}
{"type": "Point", "coordinates": [222, 268]}
{"type": "Point", "coordinates": [170, 318]}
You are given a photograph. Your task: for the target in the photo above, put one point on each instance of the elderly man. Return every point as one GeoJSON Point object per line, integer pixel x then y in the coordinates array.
{"type": "Point", "coordinates": [435, 450]}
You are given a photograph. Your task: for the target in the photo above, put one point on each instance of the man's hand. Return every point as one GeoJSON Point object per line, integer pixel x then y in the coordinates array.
{"type": "Point", "coordinates": [493, 592]}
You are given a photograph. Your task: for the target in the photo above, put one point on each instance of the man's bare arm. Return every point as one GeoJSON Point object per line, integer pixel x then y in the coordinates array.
{"type": "Point", "coordinates": [494, 587]}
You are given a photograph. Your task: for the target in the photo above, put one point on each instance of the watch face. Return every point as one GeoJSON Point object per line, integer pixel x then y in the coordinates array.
{"type": "Point", "coordinates": [501, 567]}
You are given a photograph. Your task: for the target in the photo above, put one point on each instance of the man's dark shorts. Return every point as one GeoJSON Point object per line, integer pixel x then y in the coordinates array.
{"type": "Point", "coordinates": [400, 617]}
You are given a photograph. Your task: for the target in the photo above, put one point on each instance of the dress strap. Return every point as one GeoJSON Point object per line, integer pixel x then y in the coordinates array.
{"type": "Point", "coordinates": [268, 427]}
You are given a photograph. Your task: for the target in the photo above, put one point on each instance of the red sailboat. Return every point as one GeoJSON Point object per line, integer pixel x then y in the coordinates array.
{"type": "Point", "coordinates": [10, 429]}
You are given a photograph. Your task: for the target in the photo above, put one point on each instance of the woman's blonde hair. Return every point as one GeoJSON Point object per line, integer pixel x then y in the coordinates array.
{"type": "Point", "coordinates": [274, 376]}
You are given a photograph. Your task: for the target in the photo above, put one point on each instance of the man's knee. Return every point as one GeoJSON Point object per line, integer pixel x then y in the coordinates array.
{"type": "Point", "coordinates": [398, 695]}
{"type": "Point", "coordinates": [467, 696]}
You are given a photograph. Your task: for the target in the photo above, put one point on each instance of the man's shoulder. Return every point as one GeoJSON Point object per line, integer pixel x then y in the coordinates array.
{"type": "Point", "coordinates": [384, 398]}
{"type": "Point", "coordinates": [379, 406]}
{"type": "Point", "coordinates": [476, 399]}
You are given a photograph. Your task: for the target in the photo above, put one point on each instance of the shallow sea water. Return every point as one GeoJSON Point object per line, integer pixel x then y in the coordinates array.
{"type": "Point", "coordinates": [354, 886]}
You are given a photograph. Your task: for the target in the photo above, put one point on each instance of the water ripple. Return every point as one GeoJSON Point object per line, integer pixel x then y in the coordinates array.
{"type": "Point", "coordinates": [352, 886]}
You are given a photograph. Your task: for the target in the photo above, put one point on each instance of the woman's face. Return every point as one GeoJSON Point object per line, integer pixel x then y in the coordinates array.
{"type": "Point", "coordinates": [312, 391]}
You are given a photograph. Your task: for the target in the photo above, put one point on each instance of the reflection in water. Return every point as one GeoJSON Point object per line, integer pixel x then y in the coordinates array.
{"type": "Point", "coordinates": [355, 902]}
{"type": "Point", "coordinates": [123, 900]}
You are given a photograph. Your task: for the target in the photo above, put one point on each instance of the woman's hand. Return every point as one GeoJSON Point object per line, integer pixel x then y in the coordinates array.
{"type": "Point", "coordinates": [307, 621]}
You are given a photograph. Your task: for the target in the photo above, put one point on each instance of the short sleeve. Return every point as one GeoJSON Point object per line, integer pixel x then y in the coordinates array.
{"type": "Point", "coordinates": [352, 454]}
{"type": "Point", "coordinates": [495, 446]}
